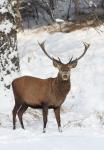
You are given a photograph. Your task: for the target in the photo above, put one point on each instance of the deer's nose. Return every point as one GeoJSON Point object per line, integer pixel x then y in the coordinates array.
{"type": "Point", "coordinates": [65, 76]}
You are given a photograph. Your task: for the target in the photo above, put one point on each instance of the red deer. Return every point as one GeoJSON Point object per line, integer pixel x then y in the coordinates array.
{"type": "Point", "coordinates": [44, 93]}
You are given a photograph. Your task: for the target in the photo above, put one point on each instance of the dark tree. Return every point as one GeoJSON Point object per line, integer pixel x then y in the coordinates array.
{"type": "Point", "coordinates": [9, 60]}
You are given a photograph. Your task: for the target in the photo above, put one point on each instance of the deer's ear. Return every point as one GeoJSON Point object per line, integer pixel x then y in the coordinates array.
{"type": "Point", "coordinates": [74, 64]}
{"type": "Point", "coordinates": [56, 64]}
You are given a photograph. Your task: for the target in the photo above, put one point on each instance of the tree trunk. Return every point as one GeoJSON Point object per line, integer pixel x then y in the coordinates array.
{"type": "Point", "coordinates": [76, 3]}
{"type": "Point", "coordinates": [9, 60]}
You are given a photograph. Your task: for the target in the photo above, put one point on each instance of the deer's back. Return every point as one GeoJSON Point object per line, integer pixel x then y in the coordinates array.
{"type": "Point", "coordinates": [31, 89]}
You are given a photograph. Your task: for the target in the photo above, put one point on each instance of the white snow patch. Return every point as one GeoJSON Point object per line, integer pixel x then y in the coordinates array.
{"type": "Point", "coordinates": [6, 26]}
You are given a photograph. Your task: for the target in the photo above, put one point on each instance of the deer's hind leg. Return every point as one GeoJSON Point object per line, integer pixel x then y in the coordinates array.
{"type": "Point", "coordinates": [21, 111]}
{"type": "Point", "coordinates": [14, 112]}
{"type": "Point", "coordinates": [45, 114]}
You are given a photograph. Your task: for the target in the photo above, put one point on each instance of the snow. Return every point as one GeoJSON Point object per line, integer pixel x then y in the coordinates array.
{"type": "Point", "coordinates": [63, 143]}
{"type": "Point", "coordinates": [59, 20]}
{"type": "Point", "coordinates": [2, 2]}
{"type": "Point", "coordinates": [3, 6]}
{"type": "Point", "coordinates": [92, 4]}
{"type": "Point", "coordinates": [82, 113]}
{"type": "Point", "coordinates": [6, 26]}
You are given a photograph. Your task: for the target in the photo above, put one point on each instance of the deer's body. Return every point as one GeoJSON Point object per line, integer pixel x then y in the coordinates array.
{"type": "Point", "coordinates": [36, 92]}
{"type": "Point", "coordinates": [43, 93]}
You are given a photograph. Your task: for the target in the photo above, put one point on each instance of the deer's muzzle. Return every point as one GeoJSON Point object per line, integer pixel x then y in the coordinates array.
{"type": "Point", "coordinates": [65, 76]}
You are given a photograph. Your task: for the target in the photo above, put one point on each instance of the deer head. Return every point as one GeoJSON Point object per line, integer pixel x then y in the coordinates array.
{"type": "Point", "coordinates": [64, 69]}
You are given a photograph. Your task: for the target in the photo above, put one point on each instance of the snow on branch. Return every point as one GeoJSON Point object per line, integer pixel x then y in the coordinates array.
{"type": "Point", "coordinates": [5, 6]}
{"type": "Point", "coordinates": [6, 26]}
{"type": "Point", "coordinates": [7, 16]}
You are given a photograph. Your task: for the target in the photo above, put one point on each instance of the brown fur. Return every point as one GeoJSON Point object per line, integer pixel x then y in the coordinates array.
{"type": "Point", "coordinates": [34, 91]}
{"type": "Point", "coordinates": [39, 93]}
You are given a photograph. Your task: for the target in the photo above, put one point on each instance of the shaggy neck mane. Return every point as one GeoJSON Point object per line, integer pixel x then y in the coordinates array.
{"type": "Point", "coordinates": [62, 86]}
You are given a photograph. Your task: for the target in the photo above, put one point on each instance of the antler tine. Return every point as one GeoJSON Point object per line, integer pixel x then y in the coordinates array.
{"type": "Point", "coordinates": [59, 60]}
{"type": "Point", "coordinates": [70, 60]}
{"type": "Point", "coordinates": [87, 45]}
{"type": "Point", "coordinates": [43, 48]}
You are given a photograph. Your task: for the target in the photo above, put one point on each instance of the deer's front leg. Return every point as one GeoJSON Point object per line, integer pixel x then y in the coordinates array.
{"type": "Point", "coordinates": [57, 115]}
{"type": "Point", "coordinates": [45, 114]}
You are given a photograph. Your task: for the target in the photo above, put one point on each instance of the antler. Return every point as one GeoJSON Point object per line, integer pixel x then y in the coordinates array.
{"type": "Point", "coordinates": [86, 45]}
{"type": "Point", "coordinates": [42, 45]}
{"type": "Point", "coordinates": [43, 48]}
{"type": "Point", "coordinates": [85, 50]}
{"type": "Point", "coordinates": [70, 60]}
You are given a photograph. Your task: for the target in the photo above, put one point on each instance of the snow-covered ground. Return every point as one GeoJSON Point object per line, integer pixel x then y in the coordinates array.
{"type": "Point", "coordinates": [82, 113]}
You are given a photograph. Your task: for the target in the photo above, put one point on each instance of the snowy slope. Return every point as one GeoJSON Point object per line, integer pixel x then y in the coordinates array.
{"type": "Point", "coordinates": [82, 112]}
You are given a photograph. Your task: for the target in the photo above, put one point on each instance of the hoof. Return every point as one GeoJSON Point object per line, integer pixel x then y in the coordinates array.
{"type": "Point", "coordinates": [14, 128]}
{"type": "Point", "coordinates": [44, 130]}
{"type": "Point", "coordinates": [23, 128]}
{"type": "Point", "coordinates": [60, 129]}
